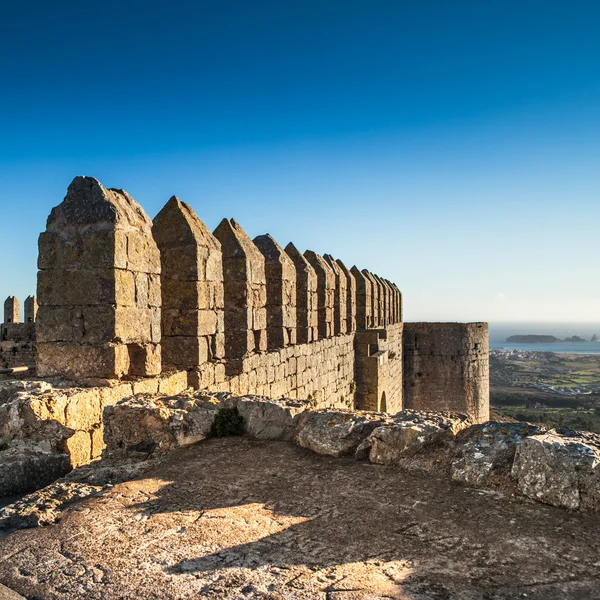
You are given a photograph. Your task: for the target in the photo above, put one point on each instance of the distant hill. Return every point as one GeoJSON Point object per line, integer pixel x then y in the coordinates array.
{"type": "Point", "coordinates": [532, 339]}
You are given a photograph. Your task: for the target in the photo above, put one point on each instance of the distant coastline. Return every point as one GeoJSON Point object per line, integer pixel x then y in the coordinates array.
{"type": "Point", "coordinates": [548, 339]}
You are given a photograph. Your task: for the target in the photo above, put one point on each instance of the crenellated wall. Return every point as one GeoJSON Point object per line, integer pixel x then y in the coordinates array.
{"type": "Point", "coordinates": [234, 314]}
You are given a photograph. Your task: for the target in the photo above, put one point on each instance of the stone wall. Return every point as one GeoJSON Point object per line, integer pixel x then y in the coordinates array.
{"type": "Point", "coordinates": [98, 287]}
{"type": "Point", "coordinates": [235, 314]}
{"type": "Point", "coordinates": [322, 372]}
{"type": "Point", "coordinates": [378, 368]}
{"type": "Point", "coordinates": [446, 367]}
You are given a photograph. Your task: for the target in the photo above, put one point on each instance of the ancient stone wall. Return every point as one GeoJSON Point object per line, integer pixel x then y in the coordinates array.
{"type": "Point", "coordinates": [245, 285]}
{"type": "Point", "coordinates": [446, 368]}
{"type": "Point", "coordinates": [281, 293]}
{"type": "Point", "coordinates": [307, 316]}
{"type": "Point", "coordinates": [31, 308]}
{"type": "Point", "coordinates": [193, 324]}
{"type": "Point", "coordinates": [235, 314]}
{"type": "Point", "coordinates": [12, 310]}
{"type": "Point", "coordinates": [98, 287]}
{"type": "Point", "coordinates": [378, 367]}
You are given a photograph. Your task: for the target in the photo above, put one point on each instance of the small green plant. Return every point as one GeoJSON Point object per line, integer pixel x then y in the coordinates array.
{"type": "Point", "coordinates": [352, 387]}
{"type": "Point", "coordinates": [228, 421]}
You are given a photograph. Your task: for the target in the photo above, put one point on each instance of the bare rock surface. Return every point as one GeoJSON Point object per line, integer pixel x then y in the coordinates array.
{"type": "Point", "coordinates": [8, 594]}
{"type": "Point", "coordinates": [560, 467]}
{"type": "Point", "coordinates": [335, 432]}
{"type": "Point", "coordinates": [485, 453]}
{"type": "Point", "coordinates": [25, 469]}
{"type": "Point", "coordinates": [410, 433]}
{"type": "Point", "coordinates": [237, 518]}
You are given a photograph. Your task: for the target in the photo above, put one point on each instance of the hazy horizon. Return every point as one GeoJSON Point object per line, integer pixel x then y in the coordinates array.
{"type": "Point", "coordinates": [411, 140]}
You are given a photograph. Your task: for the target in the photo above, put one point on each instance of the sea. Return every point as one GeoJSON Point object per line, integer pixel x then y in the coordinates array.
{"type": "Point", "coordinates": [500, 331]}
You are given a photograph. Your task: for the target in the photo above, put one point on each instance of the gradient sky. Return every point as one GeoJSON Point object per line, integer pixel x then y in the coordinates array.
{"type": "Point", "coordinates": [451, 146]}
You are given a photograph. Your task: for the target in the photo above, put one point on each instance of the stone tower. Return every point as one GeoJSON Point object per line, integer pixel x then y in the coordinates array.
{"type": "Point", "coordinates": [98, 287]}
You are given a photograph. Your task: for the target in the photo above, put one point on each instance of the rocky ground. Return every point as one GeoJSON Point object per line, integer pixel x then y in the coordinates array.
{"type": "Point", "coordinates": [240, 518]}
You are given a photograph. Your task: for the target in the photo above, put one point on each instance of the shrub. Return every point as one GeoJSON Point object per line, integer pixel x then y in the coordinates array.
{"type": "Point", "coordinates": [228, 421]}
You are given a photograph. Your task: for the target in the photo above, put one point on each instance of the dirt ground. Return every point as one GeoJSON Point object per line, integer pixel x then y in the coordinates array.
{"type": "Point", "coordinates": [236, 518]}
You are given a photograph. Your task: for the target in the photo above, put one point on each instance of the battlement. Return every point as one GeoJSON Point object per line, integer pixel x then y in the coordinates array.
{"type": "Point", "coordinates": [122, 297]}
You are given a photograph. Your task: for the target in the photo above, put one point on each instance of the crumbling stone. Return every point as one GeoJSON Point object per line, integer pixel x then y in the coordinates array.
{"type": "Point", "coordinates": [193, 325]}
{"type": "Point", "coordinates": [143, 425]}
{"type": "Point", "coordinates": [281, 293]}
{"type": "Point", "coordinates": [98, 287]}
{"type": "Point", "coordinates": [560, 467]}
{"type": "Point", "coordinates": [335, 433]}
{"type": "Point", "coordinates": [485, 453]}
{"type": "Point", "coordinates": [411, 433]}
{"type": "Point", "coordinates": [267, 419]}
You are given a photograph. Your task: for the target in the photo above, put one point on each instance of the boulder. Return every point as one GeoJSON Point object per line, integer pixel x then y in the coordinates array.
{"type": "Point", "coordinates": [267, 419]}
{"type": "Point", "coordinates": [560, 467]}
{"type": "Point", "coordinates": [485, 453]}
{"type": "Point", "coordinates": [413, 432]}
{"type": "Point", "coordinates": [335, 432]}
{"type": "Point", "coordinates": [24, 469]}
{"type": "Point", "coordinates": [143, 425]}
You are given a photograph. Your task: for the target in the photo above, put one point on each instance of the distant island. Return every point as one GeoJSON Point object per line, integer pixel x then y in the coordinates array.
{"type": "Point", "coordinates": [546, 339]}
{"type": "Point", "coordinates": [532, 339]}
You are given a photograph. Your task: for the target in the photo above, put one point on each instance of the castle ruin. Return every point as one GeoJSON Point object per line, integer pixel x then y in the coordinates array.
{"type": "Point", "coordinates": [124, 298]}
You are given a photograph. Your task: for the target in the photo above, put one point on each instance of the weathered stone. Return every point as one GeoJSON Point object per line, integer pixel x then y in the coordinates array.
{"type": "Point", "coordinates": [350, 297]}
{"type": "Point", "coordinates": [307, 317]}
{"type": "Point", "coordinates": [8, 594]}
{"type": "Point", "coordinates": [375, 316]}
{"type": "Point", "coordinates": [485, 453]}
{"type": "Point", "coordinates": [410, 433]}
{"type": "Point", "coordinates": [560, 467]}
{"type": "Point", "coordinates": [335, 433]}
{"type": "Point", "coordinates": [144, 425]}
{"type": "Point", "coordinates": [31, 308]}
{"type": "Point", "coordinates": [44, 506]}
{"type": "Point", "coordinates": [245, 292]}
{"type": "Point", "coordinates": [12, 310]}
{"type": "Point", "coordinates": [446, 368]}
{"type": "Point", "coordinates": [27, 469]}
{"type": "Point", "coordinates": [340, 298]}
{"type": "Point", "coordinates": [281, 293]}
{"type": "Point", "coordinates": [192, 286]}
{"type": "Point", "coordinates": [93, 287]}
{"type": "Point", "coordinates": [325, 293]}
{"type": "Point", "coordinates": [267, 419]}
{"type": "Point", "coordinates": [364, 306]}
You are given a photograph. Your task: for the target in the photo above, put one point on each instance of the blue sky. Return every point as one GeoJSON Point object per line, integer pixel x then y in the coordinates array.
{"type": "Point", "coordinates": [452, 147]}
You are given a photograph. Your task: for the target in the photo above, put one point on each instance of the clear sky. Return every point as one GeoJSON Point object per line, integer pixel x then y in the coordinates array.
{"type": "Point", "coordinates": [451, 146]}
